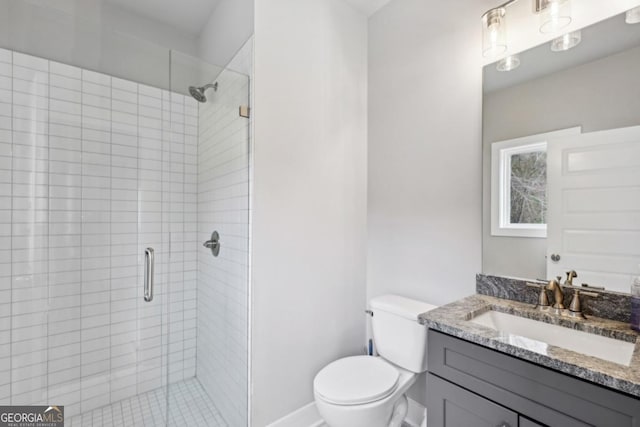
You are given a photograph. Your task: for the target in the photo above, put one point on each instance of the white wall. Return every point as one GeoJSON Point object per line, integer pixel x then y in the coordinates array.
{"type": "Point", "coordinates": [424, 200]}
{"type": "Point", "coordinates": [425, 93]}
{"type": "Point", "coordinates": [228, 28]}
{"type": "Point", "coordinates": [424, 195]}
{"type": "Point", "coordinates": [309, 208]}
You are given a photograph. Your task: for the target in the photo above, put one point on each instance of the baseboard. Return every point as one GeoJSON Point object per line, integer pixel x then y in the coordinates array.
{"type": "Point", "coordinates": [308, 416]}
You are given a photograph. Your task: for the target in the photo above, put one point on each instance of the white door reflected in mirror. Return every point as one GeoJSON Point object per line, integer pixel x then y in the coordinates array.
{"type": "Point", "coordinates": [593, 216]}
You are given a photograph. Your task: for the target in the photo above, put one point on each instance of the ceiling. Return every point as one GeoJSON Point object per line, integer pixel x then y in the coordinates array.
{"type": "Point", "coordinates": [368, 7]}
{"type": "Point", "coordinates": [189, 16]}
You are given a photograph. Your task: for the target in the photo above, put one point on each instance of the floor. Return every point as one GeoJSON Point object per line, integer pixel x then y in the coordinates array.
{"type": "Point", "coordinates": [189, 406]}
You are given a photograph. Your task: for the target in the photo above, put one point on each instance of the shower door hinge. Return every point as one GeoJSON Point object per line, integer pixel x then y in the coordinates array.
{"type": "Point", "coordinates": [245, 111]}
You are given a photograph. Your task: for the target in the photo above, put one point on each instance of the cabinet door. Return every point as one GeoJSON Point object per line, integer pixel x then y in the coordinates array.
{"type": "Point", "coordinates": [526, 422]}
{"type": "Point", "coordinates": [451, 406]}
{"type": "Point", "coordinates": [547, 396]}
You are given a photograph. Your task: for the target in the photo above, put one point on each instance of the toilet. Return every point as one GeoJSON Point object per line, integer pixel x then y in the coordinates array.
{"type": "Point", "coordinates": [366, 391]}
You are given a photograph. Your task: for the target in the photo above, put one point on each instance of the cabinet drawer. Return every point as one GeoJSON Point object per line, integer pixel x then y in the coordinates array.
{"type": "Point", "coordinates": [453, 406]}
{"type": "Point", "coordinates": [524, 422]}
{"type": "Point", "coordinates": [549, 397]}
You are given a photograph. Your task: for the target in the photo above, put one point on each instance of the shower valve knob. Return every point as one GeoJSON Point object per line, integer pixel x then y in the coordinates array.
{"type": "Point", "coordinates": [213, 243]}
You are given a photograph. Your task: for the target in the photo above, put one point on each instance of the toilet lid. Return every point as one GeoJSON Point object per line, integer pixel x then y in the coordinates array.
{"type": "Point", "coordinates": [356, 380]}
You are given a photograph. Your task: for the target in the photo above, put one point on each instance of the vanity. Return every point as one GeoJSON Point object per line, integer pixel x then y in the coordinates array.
{"type": "Point", "coordinates": [486, 374]}
{"type": "Point", "coordinates": [561, 196]}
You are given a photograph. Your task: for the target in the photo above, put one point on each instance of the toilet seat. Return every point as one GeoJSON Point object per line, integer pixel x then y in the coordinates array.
{"type": "Point", "coordinates": [356, 380]}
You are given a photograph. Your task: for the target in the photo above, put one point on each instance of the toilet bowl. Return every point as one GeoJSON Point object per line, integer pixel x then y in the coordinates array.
{"type": "Point", "coordinates": [362, 391]}
{"type": "Point", "coordinates": [367, 391]}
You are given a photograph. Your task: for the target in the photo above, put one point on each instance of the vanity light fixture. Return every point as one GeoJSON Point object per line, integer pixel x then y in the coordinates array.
{"type": "Point", "coordinates": [554, 14]}
{"type": "Point", "coordinates": [567, 41]}
{"type": "Point", "coordinates": [494, 32]}
{"type": "Point", "coordinates": [509, 63]}
{"type": "Point", "coordinates": [633, 16]}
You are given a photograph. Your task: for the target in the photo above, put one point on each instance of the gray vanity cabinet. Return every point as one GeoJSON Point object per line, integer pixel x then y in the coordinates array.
{"type": "Point", "coordinates": [453, 406]}
{"type": "Point", "coordinates": [469, 385]}
{"type": "Point", "coordinates": [528, 423]}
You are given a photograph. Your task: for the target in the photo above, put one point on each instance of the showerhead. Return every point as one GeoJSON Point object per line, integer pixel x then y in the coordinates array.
{"type": "Point", "coordinates": [198, 92]}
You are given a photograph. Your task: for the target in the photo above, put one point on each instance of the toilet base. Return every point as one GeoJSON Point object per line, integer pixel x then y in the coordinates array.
{"type": "Point", "coordinates": [380, 413]}
{"type": "Point", "coordinates": [376, 414]}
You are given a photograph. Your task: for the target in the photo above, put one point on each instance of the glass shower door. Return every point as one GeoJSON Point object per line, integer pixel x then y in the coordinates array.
{"type": "Point", "coordinates": [81, 162]}
{"type": "Point", "coordinates": [110, 169]}
{"type": "Point", "coordinates": [209, 228]}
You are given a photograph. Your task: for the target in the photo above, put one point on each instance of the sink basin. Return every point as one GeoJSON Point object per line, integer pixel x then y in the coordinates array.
{"type": "Point", "coordinates": [536, 336]}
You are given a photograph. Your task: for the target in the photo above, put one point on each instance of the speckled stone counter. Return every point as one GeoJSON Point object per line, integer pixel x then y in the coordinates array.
{"type": "Point", "coordinates": [454, 319]}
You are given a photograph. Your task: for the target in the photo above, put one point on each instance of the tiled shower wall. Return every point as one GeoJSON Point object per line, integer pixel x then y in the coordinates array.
{"type": "Point", "coordinates": [93, 169]}
{"type": "Point", "coordinates": [223, 205]}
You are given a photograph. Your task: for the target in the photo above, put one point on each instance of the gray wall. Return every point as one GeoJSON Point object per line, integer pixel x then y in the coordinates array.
{"type": "Point", "coordinates": [599, 95]}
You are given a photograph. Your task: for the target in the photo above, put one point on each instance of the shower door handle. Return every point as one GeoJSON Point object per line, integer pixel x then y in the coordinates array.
{"type": "Point", "coordinates": [149, 257]}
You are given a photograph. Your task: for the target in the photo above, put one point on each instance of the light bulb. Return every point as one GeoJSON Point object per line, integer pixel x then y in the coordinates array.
{"type": "Point", "coordinates": [509, 63]}
{"type": "Point", "coordinates": [494, 33]}
{"type": "Point", "coordinates": [633, 16]}
{"type": "Point", "coordinates": [567, 41]}
{"type": "Point", "coordinates": [554, 14]}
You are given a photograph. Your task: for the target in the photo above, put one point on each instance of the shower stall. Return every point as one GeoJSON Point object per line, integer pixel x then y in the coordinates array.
{"type": "Point", "coordinates": [124, 230]}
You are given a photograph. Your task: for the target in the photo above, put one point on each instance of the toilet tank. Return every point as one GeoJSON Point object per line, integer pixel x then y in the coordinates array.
{"type": "Point", "coordinates": [398, 336]}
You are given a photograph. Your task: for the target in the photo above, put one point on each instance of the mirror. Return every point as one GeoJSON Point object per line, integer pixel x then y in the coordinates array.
{"type": "Point", "coordinates": [561, 159]}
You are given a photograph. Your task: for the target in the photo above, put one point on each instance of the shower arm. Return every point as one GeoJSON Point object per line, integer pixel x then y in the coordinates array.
{"type": "Point", "coordinates": [210, 85]}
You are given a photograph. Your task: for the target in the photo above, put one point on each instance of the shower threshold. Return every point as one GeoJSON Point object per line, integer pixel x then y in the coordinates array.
{"type": "Point", "coordinates": [189, 405]}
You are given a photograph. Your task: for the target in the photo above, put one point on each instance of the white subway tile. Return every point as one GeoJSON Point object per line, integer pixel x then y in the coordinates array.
{"type": "Point", "coordinates": [123, 95]}
{"type": "Point", "coordinates": [65, 82]}
{"type": "Point", "coordinates": [28, 89]}
{"type": "Point", "coordinates": [6, 69]}
{"type": "Point", "coordinates": [5, 55]}
{"type": "Point", "coordinates": [88, 158]}
{"type": "Point", "coordinates": [6, 83]}
{"type": "Point", "coordinates": [65, 70]}
{"type": "Point", "coordinates": [97, 78]}
{"type": "Point", "coordinates": [150, 91]}
{"type": "Point", "coordinates": [30, 75]}
{"type": "Point", "coordinates": [65, 131]}
{"type": "Point", "coordinates": [30, 61]}
{"type": "Point", "coordinates": [124, 107]}
{"type": "Point", "coordinates": [96, 89]}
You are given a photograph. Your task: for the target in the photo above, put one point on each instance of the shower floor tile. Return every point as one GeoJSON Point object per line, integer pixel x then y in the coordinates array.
{"type": "Point", "coordinates": [189, 405]}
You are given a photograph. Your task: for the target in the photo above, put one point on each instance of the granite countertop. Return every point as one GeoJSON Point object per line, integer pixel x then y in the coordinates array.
{"type": "Point", "coordinates": [453, 319]}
